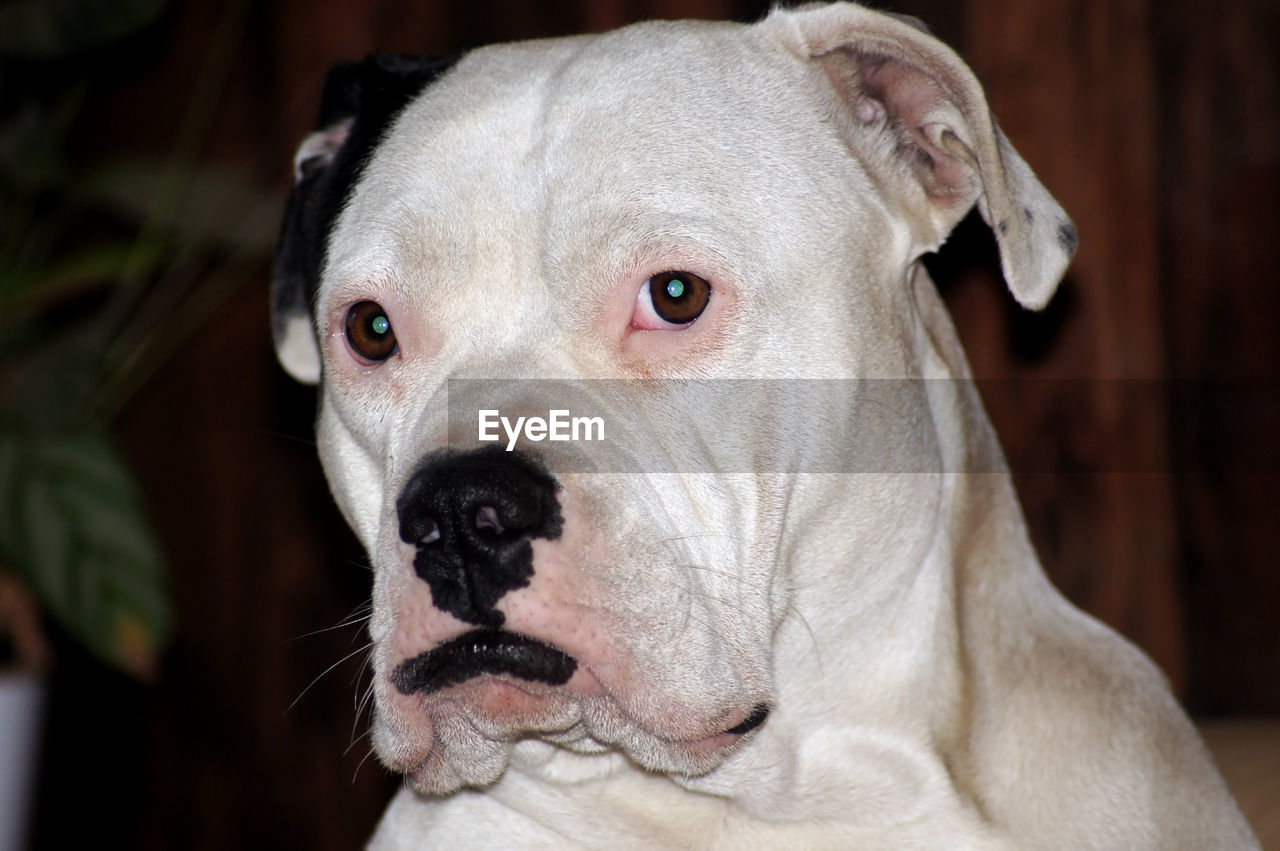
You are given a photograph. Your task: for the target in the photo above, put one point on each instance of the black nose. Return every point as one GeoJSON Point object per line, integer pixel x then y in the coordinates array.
{"type": "Point", "coordinates": [472, 516]}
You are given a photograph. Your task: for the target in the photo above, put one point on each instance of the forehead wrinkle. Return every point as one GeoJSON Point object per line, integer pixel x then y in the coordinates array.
{"type": "Point", "coordinates": [611, 196]}
{"type": "Point", "coordinates": [456, 227]}
{"type": "Point", "coordinates": [694, 157]}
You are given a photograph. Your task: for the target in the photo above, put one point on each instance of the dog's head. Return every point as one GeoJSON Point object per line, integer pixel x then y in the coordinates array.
{"type": "Point", "coordinates": [637, 215]}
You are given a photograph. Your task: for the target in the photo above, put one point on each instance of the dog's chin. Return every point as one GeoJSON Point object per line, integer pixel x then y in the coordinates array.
{"type": "Point", "coordinates": [463, 736]}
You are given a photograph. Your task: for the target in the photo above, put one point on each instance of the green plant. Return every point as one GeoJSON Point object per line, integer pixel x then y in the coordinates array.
{"type": "Point", "coordinates": [103, 270]}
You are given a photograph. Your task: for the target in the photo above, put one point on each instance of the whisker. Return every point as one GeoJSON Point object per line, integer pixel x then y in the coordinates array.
{"type": "Point", "coordinates": [357, 740]}
{"type": "Point", "coordinates": [276, 434]}
{"type": "Point", "coordinates": [356, 618]}
{"type": "Point", "coordinates": [356, 773]}
{"type": "Point", "coordinates": [366, 700]}
{"type": "Point", "coordinates": [817, 648]}
{"type": "Point", "coordinates": [326, 671]}
{"type": "Point", "coordinates": [744, 581]}
{"type": "Point", "coordinates": [692, 536]}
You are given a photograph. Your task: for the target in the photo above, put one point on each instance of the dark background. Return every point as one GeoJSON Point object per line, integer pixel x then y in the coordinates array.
{"type": "Point", "coordinates": [1155, 125]}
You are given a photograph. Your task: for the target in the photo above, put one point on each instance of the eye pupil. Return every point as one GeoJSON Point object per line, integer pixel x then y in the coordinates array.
{"type": "Point", "coordinates": [679, 297]}
{"type": "Point", "coordinates": [369, 333]}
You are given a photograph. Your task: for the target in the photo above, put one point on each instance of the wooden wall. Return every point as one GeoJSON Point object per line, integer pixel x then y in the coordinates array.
{"type": "Point", "coordinates": [1153, 503]}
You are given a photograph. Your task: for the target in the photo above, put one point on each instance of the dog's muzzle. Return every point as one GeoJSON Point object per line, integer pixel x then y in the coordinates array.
{"type": "Point", "coordinates": [472, 517]}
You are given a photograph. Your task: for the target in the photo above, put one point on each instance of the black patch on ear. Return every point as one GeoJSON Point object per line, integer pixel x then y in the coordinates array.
{"type": "Point", "coordinates": [1068, 238]}
{"type": "Point", "coordinates": [371, 94]}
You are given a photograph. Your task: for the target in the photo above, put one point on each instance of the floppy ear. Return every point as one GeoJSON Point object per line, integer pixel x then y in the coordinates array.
{"type": "Point", "coordinates": [915, 112]}
{"type": "Point", "coordinates": [360, 101]}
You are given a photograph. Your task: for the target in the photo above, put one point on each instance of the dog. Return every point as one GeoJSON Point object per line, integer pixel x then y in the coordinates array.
{"type": "Point", "coordinates": [787, 598]}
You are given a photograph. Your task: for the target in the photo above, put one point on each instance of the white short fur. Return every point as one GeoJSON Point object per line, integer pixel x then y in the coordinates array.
{"type": "Point", "coordinates": [929, 688]}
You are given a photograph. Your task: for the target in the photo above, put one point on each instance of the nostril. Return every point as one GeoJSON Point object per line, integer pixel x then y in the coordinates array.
{"type": "Point", "coordinates": [487, 520]}
{"type": "Point", "coordinates": [471, 517]}
{"type": "Point", "coordinates": [426, 530]}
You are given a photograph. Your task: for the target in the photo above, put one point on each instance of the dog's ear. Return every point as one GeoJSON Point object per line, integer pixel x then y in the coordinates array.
{"type": "Point", "coordinates": [360, 101]}
{"type": "Point", "coordinates": [910, 107]}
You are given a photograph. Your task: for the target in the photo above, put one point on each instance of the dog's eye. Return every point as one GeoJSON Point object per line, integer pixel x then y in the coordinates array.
{"type": "Point", "coordinates": [369, 332]}
{"type": "Point", "coordinates": [674, 298]}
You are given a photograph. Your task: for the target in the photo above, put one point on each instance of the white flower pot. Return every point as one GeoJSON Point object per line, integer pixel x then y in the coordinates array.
{"type": "Point", "coordinates": [21, 701]}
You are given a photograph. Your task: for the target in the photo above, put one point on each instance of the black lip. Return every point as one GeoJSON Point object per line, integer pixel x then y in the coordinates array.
{"type": "Point", "coordinates": [755, 719]}
{"type": "Point", "coordinates": [483, 651]}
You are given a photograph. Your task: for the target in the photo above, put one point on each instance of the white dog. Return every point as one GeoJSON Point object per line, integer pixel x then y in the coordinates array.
{"type": "Point", "coordinates": [800, 611]}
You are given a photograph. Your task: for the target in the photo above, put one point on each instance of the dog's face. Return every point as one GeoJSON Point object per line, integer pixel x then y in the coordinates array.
{"type": "Point", "coordinates": [638, 216]}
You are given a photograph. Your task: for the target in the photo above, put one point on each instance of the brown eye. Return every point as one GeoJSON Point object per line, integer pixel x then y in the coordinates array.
{"type": "Point", "coordinates": [679, 297]}
{"type": "Point", "coordinates": [369, 332]}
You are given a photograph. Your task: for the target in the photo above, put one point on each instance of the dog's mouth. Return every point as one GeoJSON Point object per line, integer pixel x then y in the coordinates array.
{"type": "Point", "coordinates": [479, 652]}
{"type": "Point", "coordinates": [464, 703]}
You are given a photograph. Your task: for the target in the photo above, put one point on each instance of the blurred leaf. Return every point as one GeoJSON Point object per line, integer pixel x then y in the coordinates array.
{"type": "Point", "coordinates": [50, 376]}
{"type": "Point", "coordinates": [31, 145]}
{"type": "Point", "coordinates": [48, 29]}
{"type": "Point", "coordinates": [72, 525]}
{"type": "Point", "coordinates": [217, 208]}
{"type": "Point", "coordinates": [27, 289]}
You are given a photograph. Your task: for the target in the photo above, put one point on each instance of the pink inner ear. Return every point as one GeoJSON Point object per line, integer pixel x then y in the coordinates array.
{"type": "Point", "coordinates": [909, 92]}
{"type": "Point", "coordinates": [869, 110]}
{"type": "Point", "coordinates": [323, 144]}
{"type": "Point", "coordinates": [908, 95]}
